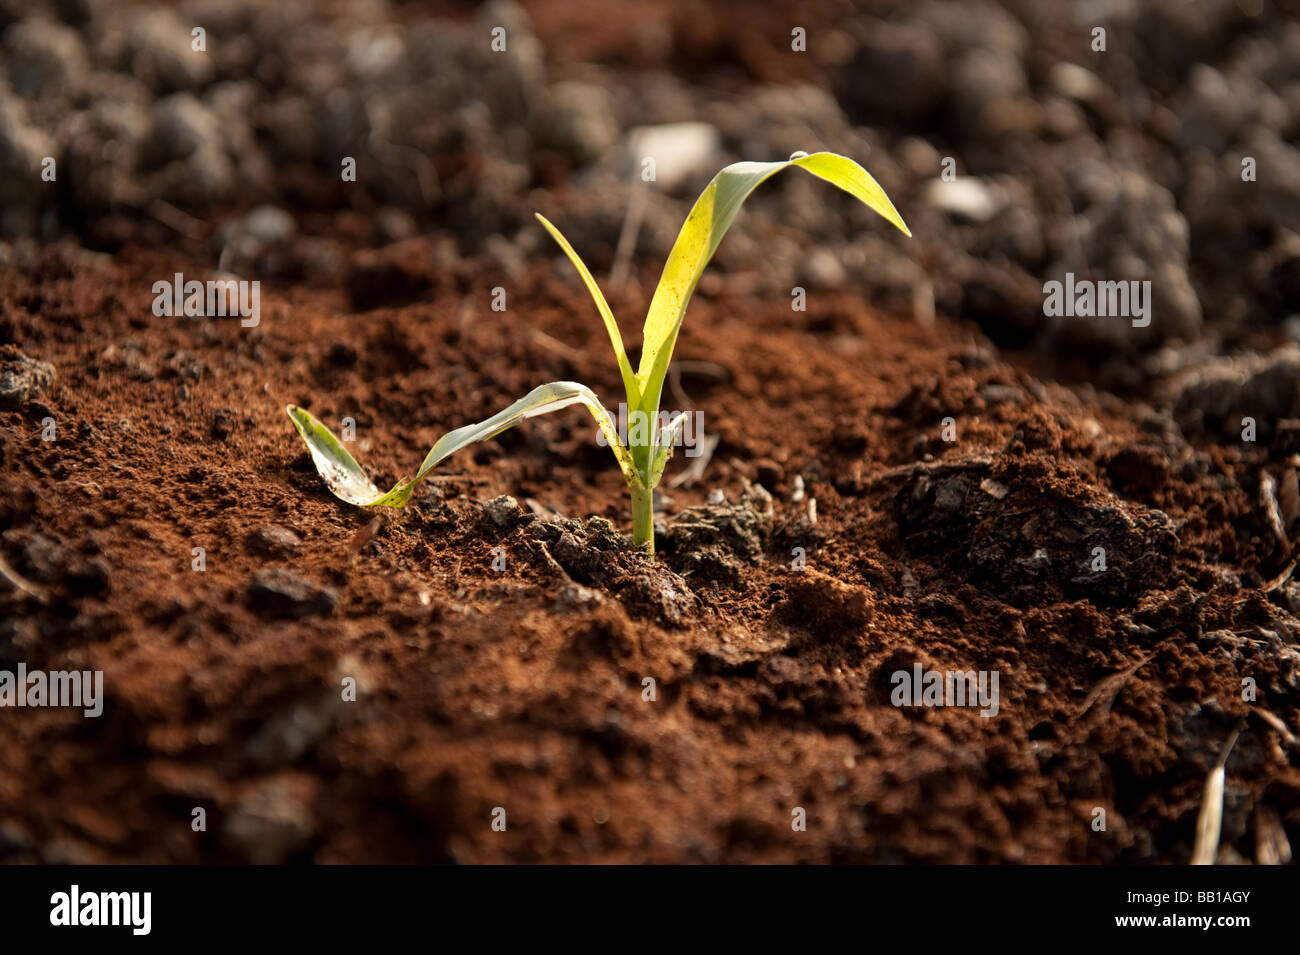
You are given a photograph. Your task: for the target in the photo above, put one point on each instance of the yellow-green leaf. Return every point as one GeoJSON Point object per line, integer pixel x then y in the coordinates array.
{"type": "Point", "coordinates": [345, 479]}
{"type": "Point", "coordinates": [630, 384]}
{"type": "Point", "coordinates": [704, 228]}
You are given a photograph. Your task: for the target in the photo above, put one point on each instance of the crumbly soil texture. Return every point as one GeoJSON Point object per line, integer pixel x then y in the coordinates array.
{"type": "Point", "coordinates": [918, 473]}
{"type": "Point", "coordinates": [514, 658]}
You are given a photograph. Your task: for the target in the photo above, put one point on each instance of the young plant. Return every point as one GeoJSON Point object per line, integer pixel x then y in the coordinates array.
{"type": "Point", "coordinates": [650, 441]}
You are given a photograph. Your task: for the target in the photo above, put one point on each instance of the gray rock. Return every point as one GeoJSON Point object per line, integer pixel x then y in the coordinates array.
{"type": "Point", "coordinates": [578, 121]}
{"type": "Point", "coordinates": [822, 268]}
{"type": "Point", "coordinates": [505, 255]}
{"type": "Point", "coordinates": [288, 736]}
{"type": "Point", "coordinates": [394, 225]}
{"type": "Point", "coordinates": [182, 126]}
{"type": "Point", "coordinates": [502, 510]}
{"type": "Point", "coordinates": [682, 152]}
{"type": "Point", "coordinates": [898, 71]}
{"type": "Point", "coordinates": [1216, 106]}
{"type": "Point", "coordinates": [524, 51]}
{"type": "Point", "coordinates": [158, 52]}
{"type": "Point", "coordinates": [274, 540]}
{"type": "Point", "coordinates": [22, 378]}
{"type": "Point", "coordinates": [23, 147]}
{"type": "Point", "coordinates": [772, 121]}
{"type": "Point", "coordinates": [43, 57]}
{"type": "Point", "coordinates": [966, 197]}
{"type": "Point", "coordinates": [280, 593]}
{"type": "Point", "coordinates": [975, 25]}
{"type": "Point", "coordinates": [1128, 228]}
{"type": "Point", "coordinates": [101, 150]}
{"type": "Point", "coordinates": [269, 225]}
{"type": "Point", "coordinates": [1213, 397]}
{"type": "Point", "coordinates": [575, 597]}
{"type": "Point", "coordinates": [983, 79]}
{"type": "Point", "coordinates": [270, 823]}
{"type": "Point", "coordinates": [1076, 82]}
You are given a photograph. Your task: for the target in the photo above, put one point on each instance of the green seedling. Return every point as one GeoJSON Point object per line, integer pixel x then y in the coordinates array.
{"type": "Point", "coordinates": [650, 445]}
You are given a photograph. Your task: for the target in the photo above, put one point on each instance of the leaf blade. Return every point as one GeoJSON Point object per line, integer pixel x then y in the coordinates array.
{"type": "Point", "coordinates": [346, 481]}
{"type": "Point", "coordinates": [705, 226]}
{"type": "Point", "coordinates": [630, 383]}
{"type": "Point", "coordinates": [664, 446]}
{"type": "Point", "coordinates": [336, 466]}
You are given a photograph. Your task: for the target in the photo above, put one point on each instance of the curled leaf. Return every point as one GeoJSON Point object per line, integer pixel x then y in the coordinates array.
{"type": "Point", "coordinates": [348, 482]}
{"type": "Point", "coordinates": [707, 223]}
{"type": "Point", "coordinates": [664, 447]}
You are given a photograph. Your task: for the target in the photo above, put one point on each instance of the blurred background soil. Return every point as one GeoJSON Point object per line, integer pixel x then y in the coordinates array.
{"type": "Point", "coordinates": [523, 688]}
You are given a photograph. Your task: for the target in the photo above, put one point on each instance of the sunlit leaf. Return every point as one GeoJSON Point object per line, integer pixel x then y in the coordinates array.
{"type": "Point", "coordinates": [630, 384]}
{"type": "Point", "coordinates": [345, 479]}
{"type": "Point", "coordinates": [704, 228]}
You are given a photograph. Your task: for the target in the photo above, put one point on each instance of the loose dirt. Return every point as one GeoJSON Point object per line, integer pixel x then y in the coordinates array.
{"type": "Point", "coordinates": [769, 625]}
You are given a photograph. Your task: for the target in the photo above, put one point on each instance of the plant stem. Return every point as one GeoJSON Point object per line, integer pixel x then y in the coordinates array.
{"type": "Point", "coordinates": [643, 520]}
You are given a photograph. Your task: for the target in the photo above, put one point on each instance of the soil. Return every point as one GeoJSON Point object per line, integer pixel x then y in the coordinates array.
{"type": "Point", "coordinates": [523, 688]}
{"type": "Point", "coordinates": [1071, 508]}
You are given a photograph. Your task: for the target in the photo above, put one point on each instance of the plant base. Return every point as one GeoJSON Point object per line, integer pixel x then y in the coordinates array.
{"type": "Point", "coordinates": [643, 521]}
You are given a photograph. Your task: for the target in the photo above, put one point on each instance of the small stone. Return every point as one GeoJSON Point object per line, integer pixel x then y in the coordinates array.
{"type": "Point", "coordinates": [994, 489]}
{"type": "Point", "coordinates": [823, 269]}
{"type": "Point", "coordinates": [1076, 82]}
{"type": "Point", "coordinates": [681, 151]}
{"type": "Point", "coordinates": [44, 56]}
{"type": "Point", "coordinates": [502, 510]}
{"type": "Point", "coordinates": [578, 597]}
{"type": "Point", "coordinates": [1039, 560]}
{"type": "Point", "coordinates": [269, 225]}
{"type": "Point", "coordinates": [21, 378]}
{"type": "Point", "coordinates": [579, 121]}
{"type": "Point", "coordinates": [291, 733]}
{"type": "Point", "coordinates": [995, 394]}
{"type": "Point", "coordinates": [275, 541]}
{"type": "Point", "coordinates": [393, 225]}
{"type": "Point", "coordinates": [280, 593]}
{"type": "Point", "coordinates": [183, 126]}
{"type": "Point", "coordinates": [966, 197]}
{"type": "Point", "coordinates": [272, 821]}
{"type": "Point", "coordinates": [157, 51]}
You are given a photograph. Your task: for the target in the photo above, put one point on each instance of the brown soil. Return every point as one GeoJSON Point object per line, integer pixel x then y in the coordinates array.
{"type": "Point", "coordinates": [522, 689]}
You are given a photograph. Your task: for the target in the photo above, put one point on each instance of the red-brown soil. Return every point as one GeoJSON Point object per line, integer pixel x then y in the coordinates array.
{"type": "Point", "coordinates": [522, 689]}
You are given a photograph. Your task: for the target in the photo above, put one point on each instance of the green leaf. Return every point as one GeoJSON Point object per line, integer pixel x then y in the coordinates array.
{"type": "Point", "coordinates": [630, 384]}
{"type": "Point", "coordinates": [704, 228]}
{"type": "Point", "coordinates": [343, 476]}
{"type": "Point", "coordinates": [346, 481]}
{"type": "Point", "coordinates": [664, 447]}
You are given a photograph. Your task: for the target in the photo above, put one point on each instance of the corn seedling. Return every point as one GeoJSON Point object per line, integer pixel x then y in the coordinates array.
{"type": "Point", "coordinates": [650, 444]}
